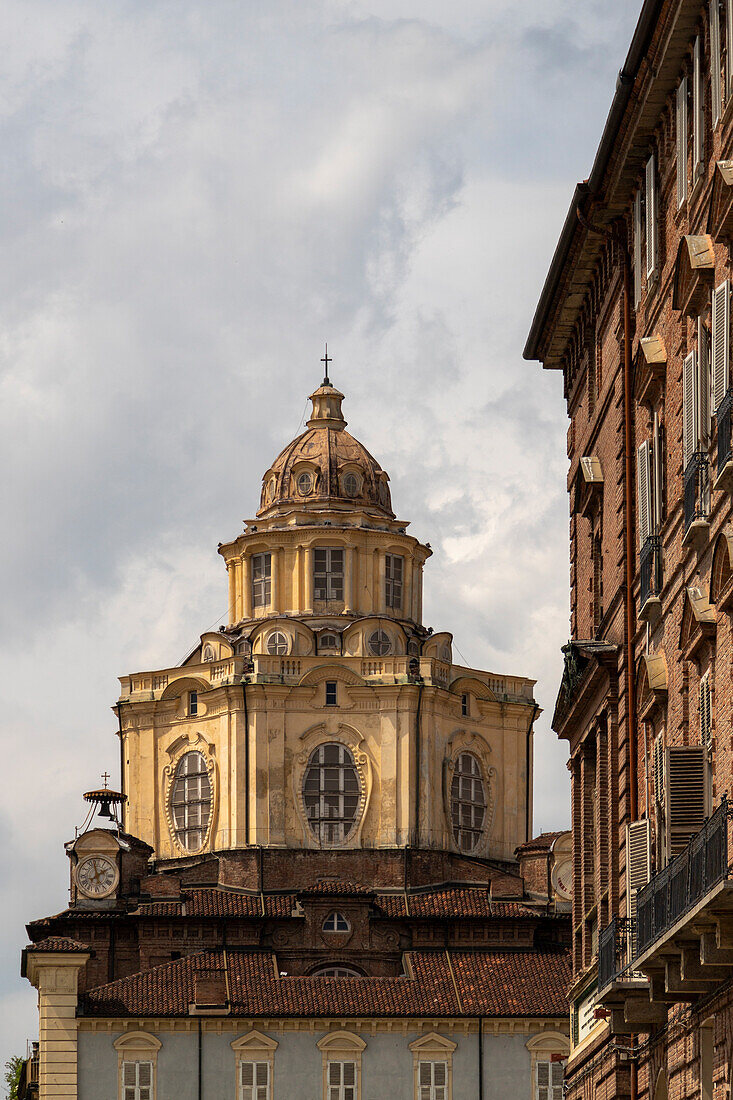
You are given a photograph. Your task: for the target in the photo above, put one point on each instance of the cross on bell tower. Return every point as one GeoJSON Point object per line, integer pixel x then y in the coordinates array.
{"type": "Point", "coordinates": [326, 360]}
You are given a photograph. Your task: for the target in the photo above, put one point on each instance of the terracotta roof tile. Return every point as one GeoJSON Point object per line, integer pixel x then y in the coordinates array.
{"type": "Point", "coordinates": [335, 888]}
{"type": "Point", "coordinates": [518, 983]}
{"type": "Point", "coordinates": [541, 843]}
{"type": "Point", "coordinates": [57, 944]}
{"type": "Point", "coordinates": [469, 901]}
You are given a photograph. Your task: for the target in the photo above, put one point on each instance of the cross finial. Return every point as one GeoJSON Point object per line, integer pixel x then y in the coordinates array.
{"type": "Point", "coordinates": [105, 777]}
{"type": "Point", "coordinates": [326, 360]}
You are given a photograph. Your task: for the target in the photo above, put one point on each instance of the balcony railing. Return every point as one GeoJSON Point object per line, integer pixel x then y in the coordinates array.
{"type": "Point", "coordinates": [616, 950]}
{"type": "Point", "coordinates": [650, 568]}
{"type": "Point", "coordinates": [696, 489]}
{"type": "Point", "coordinates": [723, 419]}
{"type": "Point", "coordinates": [679, 886]}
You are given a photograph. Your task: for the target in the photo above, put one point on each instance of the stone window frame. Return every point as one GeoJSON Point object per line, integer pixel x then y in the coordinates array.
{"type": "Point", "coordinates": [275, 633]}
{"type": "Point", "coordinates": [541, 1047]}
{"type": "Point", "coordinates": [432, 1047]}
{"type": "Point", "coordinates": [341, 1046]}
{"type": "Point", "coordinates": [137, 1046]}
{"type": "Point", "coordinates": [255, 1046]}
{"type": "Point", "coordinates": [465, 741]}
{"type": "Point", "coordinates": [322, 734]}
{"type": "Point", "coordinates": [183, 744]}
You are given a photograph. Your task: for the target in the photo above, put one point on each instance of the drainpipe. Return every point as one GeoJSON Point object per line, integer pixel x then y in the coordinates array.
{"type": "Point", "coordinates": [246, 762]}
{"type": "Point", "coordinates": [200, 1088]}
{"type": "Point", "coordinates": [418, 753]}
{"type": "Point", "coordinates": [527, 778]}
{"type": "Point", "coordinates": [480, 1058]}
{"type": "Point", "coordinates": [118, 709]}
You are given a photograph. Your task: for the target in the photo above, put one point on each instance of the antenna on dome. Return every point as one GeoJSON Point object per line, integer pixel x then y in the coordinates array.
{"type": "Point", "coordinates": [326, 360]}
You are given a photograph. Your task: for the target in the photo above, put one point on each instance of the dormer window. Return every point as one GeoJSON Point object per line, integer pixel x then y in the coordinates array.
{"type": "Point", "coordinates": [337, 972]}
{"type": "Point", "coordinates": [277, 643]}
{"type": "Point", "coordinates": [305, 484]}
{"type": "Point", "coordinates": [328, 641]}
{"type": "Point", "coordinates": [336, 922]}
{"type": "Point", "coordinates": [350, 485]}
{"type": "Point", "coordinates": [379, 643]}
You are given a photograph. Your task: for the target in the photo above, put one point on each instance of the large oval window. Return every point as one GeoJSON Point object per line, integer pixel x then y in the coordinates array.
{"type": "Point", "coordinates": [191, 801]}
{"type": "Point", "coordinates": [468, 802]}
{"type": "Point", "coordinates": [331, 791]}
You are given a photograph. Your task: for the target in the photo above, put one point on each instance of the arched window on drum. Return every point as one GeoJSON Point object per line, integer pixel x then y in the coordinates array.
{"type": "Point", "coordinates": [468, 802]}
{"type": "Point", "coordinates": [331, 793]}
{"type": "Point", "coordinates": [191, 801]}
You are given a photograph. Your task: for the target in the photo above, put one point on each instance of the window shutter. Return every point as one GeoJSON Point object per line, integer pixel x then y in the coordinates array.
{"type": "Point", "coordinates": [685, 776]}
{"type": "Point", "coordinates": [721, 342]}
{"type": "Point", "coordinates": [706, 715]}
{"type": "Point", "coordinates": [689, 408]}
{"type": "Point", "coordinates": [698, 119]}
{"type": "Point", "coordinates": [543, 1081]}
{"type": "Point", "coordinates": [715, 101]}
{"type": "Point", "coordinates": [659, 768]}
{"type": "Point", "coordinates": [637, 245]}
{"type": "Point", "coordinates": [682, 141]}
{"type": "Point", "coordinates": [651, 218]}
{"type": "Point", "coordinates": [638, 861]}
{"type": "Point", "coordinates": [557, 1073]}
{"type": "Point", "coordinates": [644, 484]}
{"type": "Point", "coordinates": [703, 385]}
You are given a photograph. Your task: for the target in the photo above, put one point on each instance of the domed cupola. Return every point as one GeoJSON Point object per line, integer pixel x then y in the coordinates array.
{"type": "Point", "coordinates": [325, 468]}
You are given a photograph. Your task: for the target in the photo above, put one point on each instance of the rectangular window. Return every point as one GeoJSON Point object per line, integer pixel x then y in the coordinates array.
{"type": "Point", "coordinates": [682, 142]}
{"type": "Point", "coordinates": [644, 491]}
{"type": "Point", "coordinates": [638, 861]}
{"type": "Point", "coordinates": [137, 1081]}
{"type": "Point", "coordinates": [254, 1081]}
{"type": "Point", "coordinates": [685, 802]}
{"type": "Point", "coordinates": [638, 232]}
{"type": "Point", "coordinates": [193, 703]}
{"type": "Point", "coordinates": [720, 352]}
{"type": "Point", "coordinates": [548, 1080]}
{"type": "Point", "coordinates": [464, 705]}
{"type": "Point", "coordinates": [341, 1081]}
{"type": "Point", "coordinates": [432, 1081]}
{"type": "Point", "coordinates": [331, 689]}
{"type": "Point", "coordinates": [696, 396]}
{"type": "Point", "coordinates": [261, 580]}
{"type": "Point", "coordinates": [393, 572]}
{"type": "Point", "coordinates": [652, 242]}
{"type": "Point", "coordinates": [328, 574]}
{"type": "Point", "coordinates": [715, 74]}
{"type": "Point", "coordinates": [706, 713]}
{"type": "Point", "coordinates": [698, 114]}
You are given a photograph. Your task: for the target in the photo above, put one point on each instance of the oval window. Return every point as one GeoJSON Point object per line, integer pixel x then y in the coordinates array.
{"type": "Point", "coordinates": [379, 643]}
{"type": "Point", "coordinates": [468, 802]}
{"type": "Point", "coordinates": [191, 801]}
{"type": "Point", "coordinates": [305, 484]}
{"type": "Point", "coordinates": [351, 485]}
{"type": "Point", "coordinates": [331, 792]}
{"type": "Point", "coordinates": [277, 643]}
{"type": "Point", "coordinates": [336, 922]}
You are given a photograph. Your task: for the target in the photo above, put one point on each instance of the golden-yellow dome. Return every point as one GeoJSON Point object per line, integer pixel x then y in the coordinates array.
{"type": "Point", "coordinates": [325, 466]}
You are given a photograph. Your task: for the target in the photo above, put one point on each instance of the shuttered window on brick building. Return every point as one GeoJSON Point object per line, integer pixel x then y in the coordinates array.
{"type": "Point", "coordinates": [720, 355]}
{"type": "Point", "coordinates": [706, 714]}
{"type": "Point", "coordinates": [651, 227]}
{"type": "Point", "coordinates": [716, 101]}
{"type": "Point", "coordinates": [696, 396]}
{"type": "Point", "coordinates": [698, 114]}
{"type": "Point", "coordinates": [638, 861]}
{"type": "Point", "coordinates": [681, 122]}
{"type": "Point", "coordinates": [685, 795]}
{"type": "Point", "coordinates": [658, 753]}
{"type": "Point", "coordinates": [638, 232]}
{"type": "Point", "coordinates": [644, 491]}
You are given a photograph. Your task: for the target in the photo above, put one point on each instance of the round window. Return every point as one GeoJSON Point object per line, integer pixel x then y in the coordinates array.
{"type": "Point", "coordinates": [305, 484]}
{"type": "Point", "coordinates": [191, 801]}
{"type": "Point", "coordinates": [468, 802]}
{"type": "Point", "coordinates": [331, 792]}
{"type": "Point", "coordinates": [277, 643]}
{"type": "Point", "coordinates": [351, 485]}
{"type": "Point", "coordinates": [379, 643]}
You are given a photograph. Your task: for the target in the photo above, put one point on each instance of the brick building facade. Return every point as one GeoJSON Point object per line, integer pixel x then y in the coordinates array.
{"type": "Point", "coordinates": [635, 312]}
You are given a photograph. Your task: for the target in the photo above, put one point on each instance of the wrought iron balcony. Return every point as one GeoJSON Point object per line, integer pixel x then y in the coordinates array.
{"type": "Point", "coordinates": [650, 577]}
{"type": "Point", "coordinates": [697, 498]}
{"type": "Point", "coordinates": [724, 419]}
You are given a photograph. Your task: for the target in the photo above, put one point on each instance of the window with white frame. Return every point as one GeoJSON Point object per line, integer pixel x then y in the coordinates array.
{"type": "Point", "coordinates": [698, 114]}
{"type": "Point", "coordinates": [254, 1080]}
{"type": "Point", "coordinates": [720, 344]}
{"type": "Point", "coordinates": [191, 800]}
{"type": "Point", "coordinates": [468, 802]}
{"type": "Point", "coordinates": [696, 384]}
{"type": "Point", "coordinates": [681, 128]}
{"type": "Point", "coordinates": [394, 566]}
{"type": "Point", "coordinates": [331, 792]}
{"type": "Point", "coordinates": [277, 643]}
{"type": "Point", "coordinates": [638, 246]}
{"type": "Point", "coordinates": [716, 89]}
{"type": "Point", "coordinates": [432, 1080]}
{"type": "Point", "coordinates": [137, 1080]}
{"type": "Point", "coordinates": [328, 573]}
{"type": "Point", "coordinates": [341, 1080]}
{"type": "Point", "coordinates": [261, 580]}
{"type": "Point", "coordinates": [548, 1080]}
{"type": "Point", "coordinates": [335, 922]}
{"type": "Point", "coordinates": [651, 220]}
{"type": "Point", "coordinates": [706, 710]}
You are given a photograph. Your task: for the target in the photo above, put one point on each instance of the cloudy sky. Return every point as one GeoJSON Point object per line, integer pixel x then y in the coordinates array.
{"type": "Point", "coordinates": [195, 195]}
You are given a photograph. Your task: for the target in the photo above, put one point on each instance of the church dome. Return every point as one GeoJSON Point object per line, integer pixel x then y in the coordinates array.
{"type": "Point", "coordinates": [325, 467]}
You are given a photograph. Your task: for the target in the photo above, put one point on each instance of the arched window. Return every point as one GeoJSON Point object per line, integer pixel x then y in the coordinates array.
{"type": "Point", "coordinates": [305, 484]}
{"type": "Point", "coordinates": [468, 802]}
{"type": "Point", "coordinates": [208, 654]}
{"type": "Point", "coordinates": [336, 972]}
{"type": "Point", "coordinates": [335, 922]}
{"type": "Point", "coordinates": [379, 643]}
{"type": "Point", "coordinates": [277, 643]}
{"type": "Point", "coordinates": [191, 800]}
{"type": "Point", "coordinates": [331, 793]}
{"type": "Point", "coordinates": [328, 641]}
{"type": "Point", "coordinates": [350, 484]}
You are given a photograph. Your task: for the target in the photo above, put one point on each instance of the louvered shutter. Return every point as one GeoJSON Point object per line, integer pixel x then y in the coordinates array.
{"type": "Point", "coordinates": [715, 99]}
{"type": "Point", "coordinates": [651, 218]}
{"type": "Point", "coordinates": [644, 487]}
{"type": "Point", "coordinates": [685, 778]}
{"type": "Point", "coordinates": [638, 861]}
{"type": "Point", "coordinates": [703, 385]}
{"type": "Point", "coordinates": [689, 408]}
{"type": "Point", "coordinates": [543, 1081]}
{"type": "Point", "coordinates": [721, 342]}
{"type": "Point", "coordinates": [557, 1073]}
{"type": "Point", "coordinates": [682, 141]}
{"type": "Point", "coordinates": [659, 769]}
{"type": "Point", "coordinates": [698, 120]}
{"type": "Point", "coordinates": [638, 226]}
{"type": "Point", "coordinates": [706, 715]}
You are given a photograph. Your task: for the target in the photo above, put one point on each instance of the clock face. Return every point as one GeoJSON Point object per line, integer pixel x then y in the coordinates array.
{"type": "Point", "coordinates": [96, 876]}
{"type": "Point", "coordinates": [562, 879]}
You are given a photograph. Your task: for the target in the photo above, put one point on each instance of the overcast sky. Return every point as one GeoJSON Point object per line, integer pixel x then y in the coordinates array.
{"type": "Point", "coordinates": [195, 196]}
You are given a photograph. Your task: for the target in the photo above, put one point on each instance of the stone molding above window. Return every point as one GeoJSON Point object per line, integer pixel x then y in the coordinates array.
{"type": "Point", "coordinates": [433, 1047]}
{"type": "Point", "coordinates": [137, 1046]}
{"type": "Point", "coordinates": [341, 1046]}
{"type": "Point", "coordinates": [255, 1046]}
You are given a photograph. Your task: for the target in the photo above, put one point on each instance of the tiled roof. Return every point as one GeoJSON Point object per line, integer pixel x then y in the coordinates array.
{"type": "Point", "coordinates": [459, 983]}
{"type": "Point", "coordinates": [541, 843]}
{"type": "Point", "coordinates": [334, 888]}
{"type": "Point", "coordinates": [213, 902]}
{"type": "Point", "coordinates": [459, 901]}
{"type": "Point", "coordinates": [57, 944]}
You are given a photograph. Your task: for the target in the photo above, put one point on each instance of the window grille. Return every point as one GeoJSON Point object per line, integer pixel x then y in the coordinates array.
{"type": "Point", "coordinates": [191, 800]}
{"type": "Point", "coordinates": [137, 1080]}
{"type": "Point", "coordinates": [254, 1081]}
{"type": "Point", "coordinates": [335, 922]}
{"type": "Point", "coordinates": [331, 793]}
{"type": "Point", "coordinates": [468, 802]}
{"type": "Point", "coordinates": [393, 572]}
{"type": "Point", "coordinates": [277, 643]}
{"type": "Point", "coordinates": [261, 580]}
{"type": "Point", "coordinates": [379, 643]}
{"type": "Point", "coordinates": [548, 1080]}
{"type": "Point", "coordinates": [432, 1080]}
{"type": "Point", "coordinates": [328, 574]}
{"type": "Point", "coordinates": [341, 1078]}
